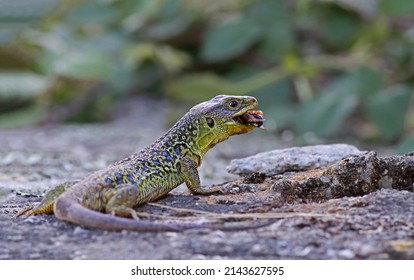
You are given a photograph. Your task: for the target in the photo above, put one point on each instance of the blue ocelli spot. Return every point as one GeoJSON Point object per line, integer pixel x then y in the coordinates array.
{"type": "Point", "coordinates": [167, 156]}
{"type": "Point", "coordinates": [177, 149]}
{"type": "Point", "coordinates": [130, 179]}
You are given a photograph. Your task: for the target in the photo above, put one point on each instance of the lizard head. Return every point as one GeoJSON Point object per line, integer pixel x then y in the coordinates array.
{"type": "Point", "coordinates": [224, 116]}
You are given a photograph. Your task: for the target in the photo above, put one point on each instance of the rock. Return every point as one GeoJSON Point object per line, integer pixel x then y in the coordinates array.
{"type": "Point", "coordinates": [4, 194]}
{"type": "Point", "coordinates": [346, 254]}
{"type": "Point", "coordinates": [320, 173]}
{"type": "Point", "coordinates": [398, 172]}
{"type": "Point", "coordinates": [291, 159]}
{"type": "Point", "coordinates": [356, 175]}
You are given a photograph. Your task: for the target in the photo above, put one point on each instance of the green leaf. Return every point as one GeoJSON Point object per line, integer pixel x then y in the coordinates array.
{"type": "Point", "coordinates": [396, 8]}
{"type": "Point", "coordinates": [83, 65]}
{"type": "Point", "coordinates": [168, 28]}
{"type": "Point", "coordinates": [22, 117]}
{"type": "Point", "coordinates": [229, 39]}
{"type": "Point", "coordinates": [195, 88]}
{"type": "Point", "coordinates": [22, 85]}
{"type": "Point", "coordinates": [268, 12]}
{"type": "Point", "coordinates": [325, 114]}
{"type": "Point", "coordinates": [278, 116]}
{"type": "Point", "coordinates": [277, 43]}
{"type": "Point", "coordinates": [279, 92]}
{"type": "Point", "coordinates": [363, 83]}
{"type": "Point", "coordinates": [340, 30]}
{"type": "Point", "coordinates": [276, 25]}
{"type": "Point", "coordinates": [388, 110]}
{"type": "Point", "coordinates": [25, 11]}
{"type": "Point", "coordinates": [93, 12]}
{"type": "Point", "coordinates": [366, 8]}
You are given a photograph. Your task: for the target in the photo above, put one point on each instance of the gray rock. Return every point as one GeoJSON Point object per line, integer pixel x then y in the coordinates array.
{"type": "Point", "coordinates": [291, 159]}
{"type": "Point", "coordinates": [5, 193]}
{"type": "Point", "coordinates": [356, 175]}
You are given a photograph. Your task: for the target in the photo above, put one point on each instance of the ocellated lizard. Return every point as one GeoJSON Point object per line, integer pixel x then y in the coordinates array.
{"type": "Point", "coordinates": [152, 172]}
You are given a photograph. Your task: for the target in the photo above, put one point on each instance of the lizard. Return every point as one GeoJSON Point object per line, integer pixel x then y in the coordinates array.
{"type": "Point", "coordinates": [106, 198]}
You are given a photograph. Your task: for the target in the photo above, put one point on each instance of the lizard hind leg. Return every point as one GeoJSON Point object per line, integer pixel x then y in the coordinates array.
{"type": "Point", "coordinates": [123, 198]}
{"type": "Point", "coordinates": [46, 205]}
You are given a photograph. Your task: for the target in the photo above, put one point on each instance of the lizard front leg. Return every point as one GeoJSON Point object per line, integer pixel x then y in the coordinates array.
{"type": "Point", "coordinates": [192, 179]}
{"type": "Point", "coordinates": [46, 205]}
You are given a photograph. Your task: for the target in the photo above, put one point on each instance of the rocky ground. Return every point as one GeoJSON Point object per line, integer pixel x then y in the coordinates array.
{"type": "Point", "coordinates": [372, 223]}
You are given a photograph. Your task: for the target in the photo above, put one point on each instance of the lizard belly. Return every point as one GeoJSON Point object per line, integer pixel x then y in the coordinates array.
{"type": "Point", "coordinates": [155, 189]}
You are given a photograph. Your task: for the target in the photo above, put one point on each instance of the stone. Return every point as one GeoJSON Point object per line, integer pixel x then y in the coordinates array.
{"type": "Point", "coordinates": [292, 159]}
{"type": "Point", "coordinates": [356, 175]}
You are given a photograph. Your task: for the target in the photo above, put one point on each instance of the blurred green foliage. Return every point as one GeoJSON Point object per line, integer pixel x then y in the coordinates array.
{"type": "Point", "coordinates": [322, 69]}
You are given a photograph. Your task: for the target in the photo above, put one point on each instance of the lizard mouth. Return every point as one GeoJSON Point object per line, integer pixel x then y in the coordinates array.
{"type": "Point", "coordinates": [250, 117]}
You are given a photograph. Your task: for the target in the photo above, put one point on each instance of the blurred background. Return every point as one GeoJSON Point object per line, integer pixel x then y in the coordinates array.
{"type": "Point", "coordinates": [322, 70]}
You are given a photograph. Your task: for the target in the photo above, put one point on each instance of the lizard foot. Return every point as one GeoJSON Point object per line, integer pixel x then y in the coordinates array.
{"type": "Point", "coordinates": [204, 191]}
{"type": "Point", "coordinates": [27, 212]}
{"type": "Point", "coordinates": [124, 211]}
{"type": "Point", "coordinates": [45, 207]}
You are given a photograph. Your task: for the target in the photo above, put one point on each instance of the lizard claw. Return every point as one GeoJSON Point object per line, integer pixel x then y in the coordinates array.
{"type": "Point", "coordinates": [29, 211]}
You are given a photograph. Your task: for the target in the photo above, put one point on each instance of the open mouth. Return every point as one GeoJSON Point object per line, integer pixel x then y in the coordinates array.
{"type": "Point", "coordinates": [251, 117]}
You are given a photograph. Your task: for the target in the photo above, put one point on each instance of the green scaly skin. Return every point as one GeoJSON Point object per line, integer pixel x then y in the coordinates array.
{"type": "Point", "coordinates": [150, 173]}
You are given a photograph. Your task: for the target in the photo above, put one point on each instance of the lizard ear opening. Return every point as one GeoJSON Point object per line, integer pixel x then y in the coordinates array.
{"type": "Point", "coordinates": [210, 122]}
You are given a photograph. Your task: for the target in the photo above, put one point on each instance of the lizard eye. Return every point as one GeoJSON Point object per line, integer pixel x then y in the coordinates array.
{"type": "Point", "coordinates": [210, 122]}
{"type": "Point", "coordinates": [233, 104]}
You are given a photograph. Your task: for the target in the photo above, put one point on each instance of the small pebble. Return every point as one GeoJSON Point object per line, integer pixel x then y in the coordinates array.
{"type": "Point", "coordinates": [346, 253]}
{"type": "Point", "coordinates": [325, 179]}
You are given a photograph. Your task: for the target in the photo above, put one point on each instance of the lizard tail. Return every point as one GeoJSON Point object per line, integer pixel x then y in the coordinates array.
{"type": "Point", "coordinates": [69, 209]}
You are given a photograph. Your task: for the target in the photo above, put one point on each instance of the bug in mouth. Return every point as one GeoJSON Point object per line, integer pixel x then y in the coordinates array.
{"type": "Point", "coordinates": [252, 117]}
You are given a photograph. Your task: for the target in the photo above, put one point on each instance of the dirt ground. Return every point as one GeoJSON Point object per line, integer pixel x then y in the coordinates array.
{"type": "Point", "coordinates": [379, 225]}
